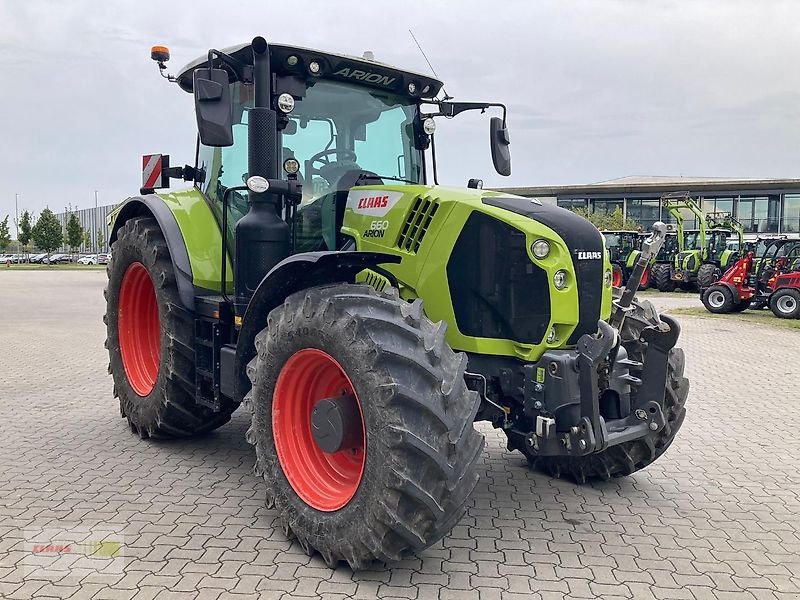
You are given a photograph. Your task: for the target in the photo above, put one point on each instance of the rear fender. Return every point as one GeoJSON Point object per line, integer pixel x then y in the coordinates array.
{"type": "Point", "coordinates": [298, 272]}
{"type": "Point", "coordinates": [151, 205]}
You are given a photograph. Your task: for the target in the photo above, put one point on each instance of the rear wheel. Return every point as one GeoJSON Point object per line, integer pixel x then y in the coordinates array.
{"type": "Point", "coordinates": [629, 457]}
{"type": "Point", "coordinates": [662, 277]}
{"type": "Point", "coordinates": [362, 424]}
{"type": "Point", "coordinates": [617, 278]}
{"type": "Point", "coordinates": [785, 304]}
{"type": "Point", "coordinates": [707, 275]}
{"type": "Point", "coordinates": [150, 338]}
{"type": "Point", "coordinates": [718, 299]}
{"type": "Point", "coordinates": [645, 282]}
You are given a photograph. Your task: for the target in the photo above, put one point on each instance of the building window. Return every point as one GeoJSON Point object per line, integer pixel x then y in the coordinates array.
{"type": "Point", "coordinates": [607, 206]}
{"type": "Point", "coordinates": [791, 214]}
{"type": "Point", "coordinates": [645, 211]}
{"type": "Point", "coordinates": [572, 203]}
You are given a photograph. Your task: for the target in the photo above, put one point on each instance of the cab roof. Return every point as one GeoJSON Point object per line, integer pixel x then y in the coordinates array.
{"type": "Point", "coordinates": [340, 67]}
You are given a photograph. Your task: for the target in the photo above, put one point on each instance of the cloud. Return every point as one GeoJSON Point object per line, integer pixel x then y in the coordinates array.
{"type": "Point", "coordinates": [595, 89]}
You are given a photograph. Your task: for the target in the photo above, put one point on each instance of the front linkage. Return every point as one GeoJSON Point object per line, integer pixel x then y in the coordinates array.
{"type": "Point", "coordinates": [580, 399]}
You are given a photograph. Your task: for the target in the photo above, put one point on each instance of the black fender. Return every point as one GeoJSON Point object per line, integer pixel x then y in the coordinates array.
{"type": "Point", "coordinates": [298, 272]}
{"type": "Point", "coordinates": [732, 288]}
{"type": "Point", "coordinates": [151, 205]}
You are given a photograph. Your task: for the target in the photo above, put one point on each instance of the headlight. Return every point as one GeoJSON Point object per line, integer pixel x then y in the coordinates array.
{"type": "Point", "coordinates": [314, 68]}
{"type": "Point", "coordinates": [285, 103]}
{"type": "Point", "coordinates": [429, 126]}
{"type": "Point", "coordinates": [291, 166]}
{"type": "Point", "coordinates": [540, 248]}
{"type": "Point", "coordinates": [608, 279]}
{"type": "Point", "coordinates": [560, 280]}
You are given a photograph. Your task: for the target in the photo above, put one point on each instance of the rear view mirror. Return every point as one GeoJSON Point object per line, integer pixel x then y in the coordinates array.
{"type": "Point", "coordinates": [499, 141]}
{"type": "Point", "coordinates": [212, 105]}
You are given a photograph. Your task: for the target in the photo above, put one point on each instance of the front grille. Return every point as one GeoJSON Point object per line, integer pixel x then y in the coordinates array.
{"type": "Point", "coordinates": [497, 292]}
{"type": "Point", "coordinates": [416, 225]}
{"type": "Point", "coordinates": [581, 237]}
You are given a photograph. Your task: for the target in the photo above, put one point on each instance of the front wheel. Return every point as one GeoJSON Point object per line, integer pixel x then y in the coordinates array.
{"type": "Point", "coordinates": [719, 300]}
{"type": "Point", "coordinates": [707, 274]}
{"type": "Point", "coordinates": [628, 457]}
{"type": "Point", "coordinates": [362, 424]}
{"type": "Point", "coordinates": [785, 304]}
{"type": "Point", "coordinates": [662, 278]}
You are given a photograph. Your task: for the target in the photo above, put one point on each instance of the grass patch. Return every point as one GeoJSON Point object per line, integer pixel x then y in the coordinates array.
{"type": "Point", "coordinates": [60, 267]}
{"type": "Point", "coordinates": [756, 317]}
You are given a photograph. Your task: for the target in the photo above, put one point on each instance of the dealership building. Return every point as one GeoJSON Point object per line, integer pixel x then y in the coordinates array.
{"type": "Point", "coordinates": [94, 222]}
{"type": "Point", "coordinates": [762, 206]}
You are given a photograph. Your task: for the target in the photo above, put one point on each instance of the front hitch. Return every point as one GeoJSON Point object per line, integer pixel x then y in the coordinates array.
{"type": "Point", "coordinates": [564, 387]}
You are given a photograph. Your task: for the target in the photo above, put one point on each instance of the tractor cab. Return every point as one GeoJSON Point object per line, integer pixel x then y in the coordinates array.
{"type": "Point", "coordinates": [620, 244]}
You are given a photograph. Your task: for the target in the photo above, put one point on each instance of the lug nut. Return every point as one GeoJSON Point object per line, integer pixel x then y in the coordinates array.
{"type": "Point", "coordinates": [537, 405]}
{"type": "Point", "coordinates": [641, 414]}
{"type": "Point", "coordinates": [582, 444]}
{"type": "Point", "coordinates": [538, 387]}
{"type": "Point", "coordinates": [574, 430]}
{"type": "Point", "coordinates": [653, 425]}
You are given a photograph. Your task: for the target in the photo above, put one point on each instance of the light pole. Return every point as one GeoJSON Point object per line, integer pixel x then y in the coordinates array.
{"type": "Point", "coordinates": [94, 226]}
{"type": "Point", "coordinates": [16, 218]}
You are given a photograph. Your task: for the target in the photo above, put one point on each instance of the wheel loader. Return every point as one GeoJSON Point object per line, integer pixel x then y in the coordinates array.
{"type": "Point", "coordinates": [315, 272]}
{"type": "Point", "coordinates": [702, 254]}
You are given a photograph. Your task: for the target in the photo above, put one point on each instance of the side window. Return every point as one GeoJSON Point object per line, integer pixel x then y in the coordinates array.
{"type": "Point", "coordinates": [383, 150]}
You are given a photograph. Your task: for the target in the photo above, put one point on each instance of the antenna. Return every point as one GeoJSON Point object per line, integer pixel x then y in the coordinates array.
{"type": "Point", "coordinates": [425, 56]}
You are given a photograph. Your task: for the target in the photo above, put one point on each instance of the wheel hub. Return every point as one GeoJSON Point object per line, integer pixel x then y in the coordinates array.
{"type": "Point", "coordinates": [336, 423]}
{"type": "Point", "coordinates": [716, 299]}
{"type": "Point", "coordinates": [139, 329]}
{"type": "Point", "coordinates": [786, 304]}
{"type": "Point", "coordinates": [318, 429]}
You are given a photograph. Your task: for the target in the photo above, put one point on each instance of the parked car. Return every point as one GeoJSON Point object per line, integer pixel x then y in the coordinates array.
{"type": "Point", "coordinates": [37, 258]}
{"type": "Point", "coordinates": [57, 259]}
{"type": "Point", "coordinates": [103, 259]}
{"type": "Point", "coordinates": [90, 259]}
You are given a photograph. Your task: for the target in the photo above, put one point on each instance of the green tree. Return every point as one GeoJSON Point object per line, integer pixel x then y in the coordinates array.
{"type": "Point", "coordinates": [74, 233]}
{"type": "Point", "coordinates": [47, 233]}
{"type": "Point", "coordinates": [101, 239]}
{"type": "Point", "coordinates": [87, 240]}
{"type": "Point", "coordinates": [25, 228]}
{"type": "Point", "coordinates": [5, 236]}
{"type": "Point", "coordinates": [615, 221]}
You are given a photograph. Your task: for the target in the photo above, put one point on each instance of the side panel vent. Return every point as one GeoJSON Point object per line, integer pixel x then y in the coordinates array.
{"type": "Point", "coordinates": [417, 223]}
{"type": "Point", "coordinates": [376, 280]}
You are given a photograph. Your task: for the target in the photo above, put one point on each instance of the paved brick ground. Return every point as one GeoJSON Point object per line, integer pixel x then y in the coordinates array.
{"type": "Point", "coordinates": [717, 517]}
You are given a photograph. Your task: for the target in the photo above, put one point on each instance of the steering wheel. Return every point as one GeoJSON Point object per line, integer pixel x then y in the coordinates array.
{"type": "Point", "coordinates": [323, 158]}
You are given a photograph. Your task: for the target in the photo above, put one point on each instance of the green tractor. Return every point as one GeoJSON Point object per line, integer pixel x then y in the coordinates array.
{"type": "Point", "coordinates": [703, 254]}
{"type": "Point", "coordinates": [366, 317]}
{"type": "Point", "coordinates": [624, 250]}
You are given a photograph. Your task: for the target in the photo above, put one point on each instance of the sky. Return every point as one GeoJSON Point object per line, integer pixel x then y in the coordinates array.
{"type": "Point", "coordinates": [595, 89]}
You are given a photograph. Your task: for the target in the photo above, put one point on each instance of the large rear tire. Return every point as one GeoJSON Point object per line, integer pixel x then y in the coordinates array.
{"type": "Point", "coordinates": [785, 304]}
{"type": "Point", "coordinates": [629, 457]}
{"type": "Point", "coordinates": [150, 338]}
{"type": "Point", "coordinates": [401, 481]}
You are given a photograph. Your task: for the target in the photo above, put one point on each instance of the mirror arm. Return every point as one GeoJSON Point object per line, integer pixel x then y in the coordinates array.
{"type": "Point", "coordinates": [243, 72]}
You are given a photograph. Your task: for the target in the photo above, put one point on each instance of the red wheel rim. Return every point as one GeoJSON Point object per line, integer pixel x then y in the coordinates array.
{"type": "Point", "coordinates": [617, 281]}
{"type": "Point", "coordinates": [139, 329]}
{"type": "Point", "coordinates": [326, 482]}
{"type": "Point", "coordinates": [645, 278]}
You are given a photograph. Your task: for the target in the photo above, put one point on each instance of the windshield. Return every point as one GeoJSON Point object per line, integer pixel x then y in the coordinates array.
{"type": "Point", "coordinates": [336, 132]}
{"type": "Point", "coordinates": [337, 129]}
{"type": "Point", "coordinates": [690, 240]}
